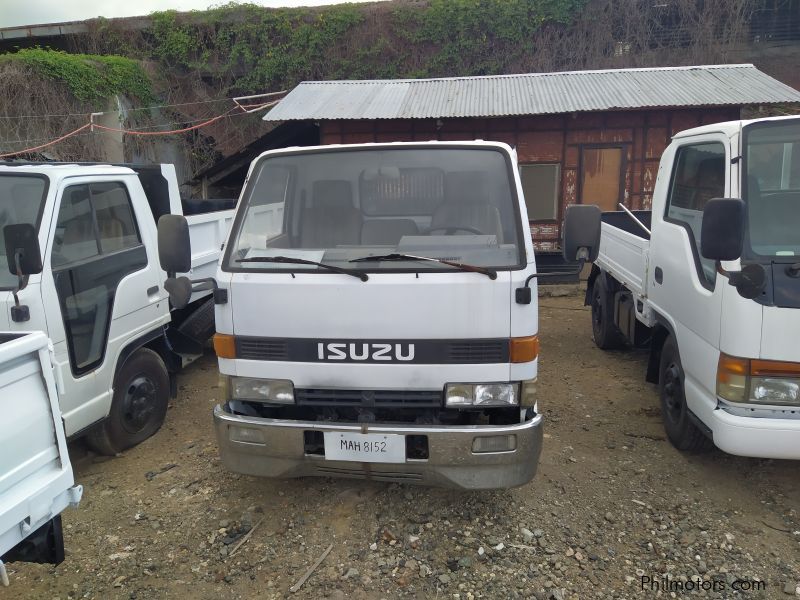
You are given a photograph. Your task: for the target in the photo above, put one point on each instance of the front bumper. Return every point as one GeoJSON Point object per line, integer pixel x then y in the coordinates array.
{"type": "Point", "coordinates": [755, 437]}
{"type": "Point", "coordinates": [450, 462]}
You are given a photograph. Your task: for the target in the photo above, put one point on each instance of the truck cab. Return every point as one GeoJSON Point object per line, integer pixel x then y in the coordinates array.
{"type": "Point", "coordinates": [380, 321]}
{"type": "Point", "coordinates": [711, 280]}
{"type": "Point", "coordinates": [78, 245]}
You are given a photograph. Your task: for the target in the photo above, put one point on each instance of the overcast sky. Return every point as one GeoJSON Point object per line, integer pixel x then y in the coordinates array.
{"type": "Point", "coordinates": [30, 12]}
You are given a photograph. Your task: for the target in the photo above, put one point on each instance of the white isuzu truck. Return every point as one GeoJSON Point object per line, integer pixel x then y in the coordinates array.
{"type": "Point", "coordinates": [79, 261]}
{"type": "Point", "coordinates": [710, 281]}
{"type": "Point", "coordinates": [381, 318]}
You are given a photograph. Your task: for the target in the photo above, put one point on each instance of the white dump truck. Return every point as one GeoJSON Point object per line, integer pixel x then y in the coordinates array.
{"type": "Point", "coordinates": [36, 481]}
{"type": "Point", "coordinates": [79, 261]}
{"type": "Point", "coordinates": [381, 314]}
{"type": "Point", "coordinates": [709, 281]}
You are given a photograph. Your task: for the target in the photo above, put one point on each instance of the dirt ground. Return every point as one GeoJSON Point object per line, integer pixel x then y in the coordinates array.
{"type": "Point", "coordinates": [614, 512]}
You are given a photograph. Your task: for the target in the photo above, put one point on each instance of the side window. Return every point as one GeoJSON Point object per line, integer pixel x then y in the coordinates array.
{"type": "Point", "coordinates": [116, 226]}
{"type": "Point", "coordinates": [75, 235]}
{"type": "Point", "coordinates": [698, 177]}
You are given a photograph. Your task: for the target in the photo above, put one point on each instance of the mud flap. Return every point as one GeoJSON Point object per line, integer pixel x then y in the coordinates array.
{"type": "Point", "coordinates": [44, 546]}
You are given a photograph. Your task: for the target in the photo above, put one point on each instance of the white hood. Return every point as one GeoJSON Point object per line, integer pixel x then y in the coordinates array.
{"type": "Point", "coordinates": [388, 306]}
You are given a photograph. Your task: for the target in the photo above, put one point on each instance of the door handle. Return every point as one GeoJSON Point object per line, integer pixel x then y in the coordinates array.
{"type": "Point", "coordinates": [659, 275]}
{"type": "Point", "coordinates": [152, 291]}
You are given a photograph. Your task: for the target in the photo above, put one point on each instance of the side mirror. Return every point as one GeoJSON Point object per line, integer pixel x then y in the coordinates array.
{"type": "Point", "coordinates": [22, 249]}
{"type": "Point", "coordinates": [581, 233]}
{"type": "Point", "coordinates": [24, 258]}
{"type": "Point", "coordinates": [722, 233]}
{"type": "Point", "coordinates": [581, 245]}
{"type": "Point", "coordinates": [174, 247]}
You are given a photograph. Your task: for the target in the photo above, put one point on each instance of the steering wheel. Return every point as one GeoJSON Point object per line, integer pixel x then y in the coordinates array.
{"type": "Point", "coordinates": [452, 230]}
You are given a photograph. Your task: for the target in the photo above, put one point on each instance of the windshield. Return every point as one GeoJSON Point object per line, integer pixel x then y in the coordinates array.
{"type": "Point", "coordinates": [21, 198]}
{"type": "Point", "coordinates": [772, 188]}
{"type": "Point", "coordinates": [334, 206]}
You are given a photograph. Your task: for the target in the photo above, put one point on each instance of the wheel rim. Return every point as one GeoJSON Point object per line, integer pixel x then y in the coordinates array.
{"type": "Point", "coordinates": [597, 312]}
{"type": "Point", "coordinates": [139, 403]}
{"type": "Point", "coordinates": [673, 392]}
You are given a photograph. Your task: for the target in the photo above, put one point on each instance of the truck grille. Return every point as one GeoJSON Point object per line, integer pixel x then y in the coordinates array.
{"type": "Point", "coordinates": [487, 351]}
{"type": "Point", "coordinates": [261, 349]}
{"type": "Point", "coordinates": [357, 473]}
{"type": "Point", "coordinates": [430, 352]}
{"type": "Point", "coordinates": [368, 398]}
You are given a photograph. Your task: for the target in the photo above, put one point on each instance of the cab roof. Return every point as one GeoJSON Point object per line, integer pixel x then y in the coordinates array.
{"type": "Point", "coordinates": [728, 128]}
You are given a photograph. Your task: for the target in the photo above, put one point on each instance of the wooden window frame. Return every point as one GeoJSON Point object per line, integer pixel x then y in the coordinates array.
{"type": "Point", "coordinates": [558, 195]}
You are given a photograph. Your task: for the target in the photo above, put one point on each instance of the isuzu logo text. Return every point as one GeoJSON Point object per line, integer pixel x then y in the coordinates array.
{"type": "Point", "coordinates": [361, 351]}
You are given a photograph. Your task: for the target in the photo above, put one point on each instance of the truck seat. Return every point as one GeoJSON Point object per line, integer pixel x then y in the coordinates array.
{"type": "Point", "coordinates": [709, 182]}
{"type": "Point", "coordinates": [387, 232]}
{"type": "Point", "coordinates": [332, 220]}
{"type": "Point", "coordinates": [466, 203]}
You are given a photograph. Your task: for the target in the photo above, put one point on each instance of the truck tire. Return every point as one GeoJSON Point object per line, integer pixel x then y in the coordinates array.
{"type": "Point", "coordinates": [199, 325]}
{"type": "Point", "coordinates": [681, 431]}
{"type": "Point", "coordinates": [605, 333]}
{"type": "Point", "coordinates": [138, 406]}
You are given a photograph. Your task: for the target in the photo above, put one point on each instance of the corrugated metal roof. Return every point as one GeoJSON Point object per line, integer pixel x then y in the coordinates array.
{"type": "Point", "coordinates": [532, 93]}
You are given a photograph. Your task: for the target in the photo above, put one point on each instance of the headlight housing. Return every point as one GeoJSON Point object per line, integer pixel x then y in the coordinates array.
{"type": "Point", "coordinates": [758, 381]}
{"type": "Point", "coordinates": [272, 391]}
{"type": "Point", "coordinates": [481, 394]}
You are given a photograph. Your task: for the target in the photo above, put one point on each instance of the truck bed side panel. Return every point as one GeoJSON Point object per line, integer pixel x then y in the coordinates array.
{"type": "Point", "coordinates": [207, 234]}
{"type": "Point", "coordinates": [35, 473]}
{"type": "Point", "coordinates": [624, 256]}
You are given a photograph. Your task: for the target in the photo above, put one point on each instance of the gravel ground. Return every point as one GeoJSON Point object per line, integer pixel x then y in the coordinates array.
{"type": "Point", "coordinates": [613, 504]}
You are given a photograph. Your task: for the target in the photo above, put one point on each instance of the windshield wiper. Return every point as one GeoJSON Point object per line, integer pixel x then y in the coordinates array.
{"type": "Point", "coordinates": [490, 273]}
{"type": "Point", "coordinates": [302, 261]}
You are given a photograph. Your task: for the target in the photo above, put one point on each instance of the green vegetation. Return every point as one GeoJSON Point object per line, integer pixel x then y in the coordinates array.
{"type": "Point", "coordinates": [90, 78]}
{"type": "Point", "coordinates": [479, 37]}
{"type": "Point", "coordinates": [251, 47]}
{"type": "Point", "coordinates": [248, 48]}
{"type": "Point", "coordinates": [245, 48]}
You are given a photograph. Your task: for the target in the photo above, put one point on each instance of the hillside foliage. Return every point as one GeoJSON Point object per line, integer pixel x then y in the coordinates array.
{"type": "Point", "coordinates": [90, 78]}
{"type": "Point", "coordinates": [246, 48]}
{"type": "Point", "coordinates": [241, 49]}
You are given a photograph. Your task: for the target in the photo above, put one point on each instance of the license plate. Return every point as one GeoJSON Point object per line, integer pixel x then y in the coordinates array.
{"type": "Point", "coordinates": [365, 447]}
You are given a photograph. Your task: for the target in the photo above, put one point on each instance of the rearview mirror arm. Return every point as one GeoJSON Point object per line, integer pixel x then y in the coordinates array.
{"type": "Point", "coordinates": [19, 313]}
{"type": "Point", "coordinates": [209, 283]}
{"type": "Point", "coordinates": [731, 275]}
{"type": "Point", "coordinates": [523, 294]}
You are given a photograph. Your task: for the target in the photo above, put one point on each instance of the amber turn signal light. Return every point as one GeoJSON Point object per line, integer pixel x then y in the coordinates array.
{"type": "Point", "coordinates": [524, 349]}
{"type": "Point", "coordinates": [774, 368]}
{"type": "Point", "coordinates": [225, 345]}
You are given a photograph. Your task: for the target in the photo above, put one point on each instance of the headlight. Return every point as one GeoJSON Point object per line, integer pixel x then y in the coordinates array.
{"type": "Point", "coordinates": [457, 394]}
{"type": "Point", "coordinates": [482, 394]}
{"type": "Point", "coordinates": [758, 381]}
{"type": "Point", "coordinates": [774, 390]}
{"type": "Point", "coordinates": [528, 395]}
{"type": "Point", "coordinates": [278, 391]}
